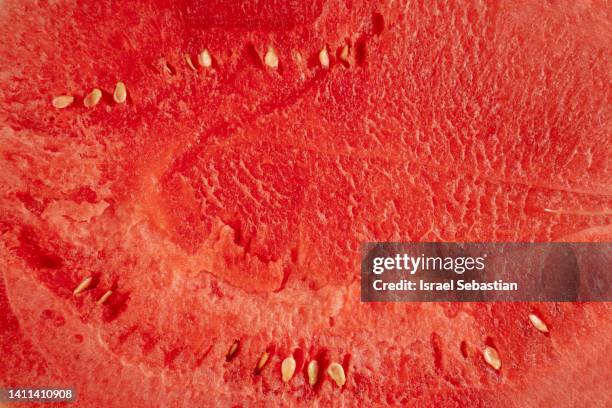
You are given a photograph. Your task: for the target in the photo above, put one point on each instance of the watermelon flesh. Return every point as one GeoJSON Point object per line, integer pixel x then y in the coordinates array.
{"type": "Point", "coordinates": [227, 203]}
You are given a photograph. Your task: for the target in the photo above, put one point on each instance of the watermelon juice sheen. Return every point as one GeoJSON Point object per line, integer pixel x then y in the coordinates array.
{"type": "Point", "coordinates": [184, 186]}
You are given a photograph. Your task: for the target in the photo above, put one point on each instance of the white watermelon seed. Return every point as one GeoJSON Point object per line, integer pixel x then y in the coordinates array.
{"type": "Point", "coordinates": [83, 285]}
{"type": "Point", "coordinates": [204, 59]}
{"type": "Point", "coordinates": [104, 297]}
{"type": "Point", "coordinates": [271, 59]}
{"type": "Point", "coordinates": [92, 98]}
{"type": "Point", "coordinates": [120, 94]}
{"type": "Point", "coordinates": [62, 101]}
{"type": "Point", "coordinates": [324, 58]}
{"type": "Point", "coordinates": [232, 350]}
{"type": "Point", "coordinates": [288, 368]}
{"type": "Point", "coordinates": [492, 357]}
{"type": "Point", "coordinates": [538, 323]}
{"type": "Point", "coordinates": [313, 372]}
{"type": "Point", "coordinates": [189, 63]}
{"type": "Point", "coordinates": [344, 54]}
{"type": "Point", "coordinates": [336, 372]}
{"type": "Point", "coordinates": [262, 362]}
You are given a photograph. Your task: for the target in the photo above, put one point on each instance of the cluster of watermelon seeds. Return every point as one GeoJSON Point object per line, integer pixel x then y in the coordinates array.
{"type": "Point", "coordinates": [293, 363]}
{"type": "Point", "coordinates": [205, 60]}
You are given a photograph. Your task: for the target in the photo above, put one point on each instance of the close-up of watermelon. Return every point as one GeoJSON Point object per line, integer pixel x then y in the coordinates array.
{"type": "Point", "coordinates": [185, 187]}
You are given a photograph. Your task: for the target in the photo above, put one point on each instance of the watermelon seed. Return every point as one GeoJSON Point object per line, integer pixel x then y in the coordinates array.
{"type": "Point", "coordinates": [271, 59]}
{"type": "Point", "coordinates": [92, 98]}
{"type": "Point", "coordinates": [120, 94]}
{"type": "Point", "coordinates": [104, 297]}
{"type": "Point", "coordinates": [336, 372]}
{"type": "Point", "coordinates": [189, 63]}
{"type": "Point", "coordinates": [262, 362]}
{"type": "Point", "coordinates": [313, 372]}
{"type": "Point", "coordinates": [288, 368]}
{"type": "Point", "coordinates": [83, 285]}
{"type": "Point", "coordinates": [324, 58]}
{"type": "Point", "coordinates": [492, 357]}
{"type": "Point", "coordinates": [538, 323]}
{"type": "Point", "coordinates": [204, 59]}
{"type": "Point", "coordinates": [232, 350]}
{"type": "Point", "coordinates": [63, 101]}
{"type": "Point", "coordinates": [344, 53]}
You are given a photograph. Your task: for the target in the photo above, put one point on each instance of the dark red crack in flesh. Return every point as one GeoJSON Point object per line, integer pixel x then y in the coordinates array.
{"type": "Point", "coordinates": [229, 203]}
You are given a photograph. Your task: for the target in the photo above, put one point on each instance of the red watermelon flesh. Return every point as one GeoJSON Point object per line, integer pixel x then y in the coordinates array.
{"type": "Point", "coordinates": [228, 203]}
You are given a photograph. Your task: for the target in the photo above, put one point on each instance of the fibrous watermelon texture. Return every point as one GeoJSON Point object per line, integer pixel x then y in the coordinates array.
{"type": "Point", "coordinates": [209, 214]}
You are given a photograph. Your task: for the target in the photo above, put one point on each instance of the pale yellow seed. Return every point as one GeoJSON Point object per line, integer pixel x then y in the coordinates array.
{"type": "Point", "coordinates": [492, 357]}
{"type": "Point", "coordinates": [83, 285]}
{"type": "Point", "coordinates": [288, 368]}
{"type": "Point", "coordinates": [120, 94]}
{"type": "Point", "coordinates": [62, 101]}
{"type": "Point", "coordinates": [189, 63]}
{"type": "Point", "coordinates": [271, 59]}
{"type": "Point", "coordinates": [232, 350]}
{"type": "Point", "coordinates": [204, 59]}
{"type": "Point", "coordinates": [313, 372]}
{"type": "Point", "coordinates": [324, 58]}
{"type": "Point", "coordinates": [344, 54]}
{"type": "Point", "coordinates": [262, 361]}
{"type": "Point", "coordinates": [336, 372]}
{"type": "Point", "coordinates": [538, 323]}
{"type": "Point", "coordinates": [104, 297]}
{"type": "Point", "coordinates": [92, 98]}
